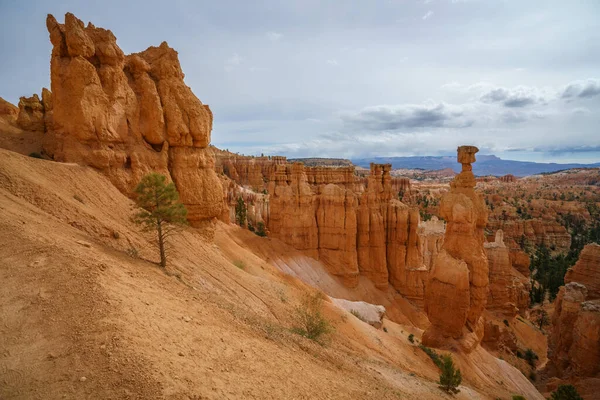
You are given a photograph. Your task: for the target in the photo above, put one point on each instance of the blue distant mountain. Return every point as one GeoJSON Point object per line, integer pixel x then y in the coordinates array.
{"type": "Point", "coordinates": [485, 165]}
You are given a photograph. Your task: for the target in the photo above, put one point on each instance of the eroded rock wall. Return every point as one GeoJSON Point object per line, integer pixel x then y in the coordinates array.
{"type": "Point", "coordinates": [127, 115]}
{"type": "Point", "coordinates": [508, 289]}
{"type": "Point", "coordinates": [575, 342]}
{"type": "Point", "coordinates": [355, 225]}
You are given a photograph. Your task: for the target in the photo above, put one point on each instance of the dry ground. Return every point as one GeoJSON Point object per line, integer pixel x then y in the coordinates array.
{"type": "Point", "coordinates": [85, 313]}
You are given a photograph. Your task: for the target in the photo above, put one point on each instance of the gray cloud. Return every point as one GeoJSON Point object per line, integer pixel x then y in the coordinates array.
{"type": "Point", "coordinates": [518, 97]}
{"type": "Point", "coordinates": [582, 89]}
{"type": "Point", "coordinates": [263, 69]}
{"type": "Point", "coordinates": [407, 116]}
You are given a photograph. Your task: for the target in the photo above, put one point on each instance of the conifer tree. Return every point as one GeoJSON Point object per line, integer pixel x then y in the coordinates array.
{"type": "Point", "coordinates": [240, 211]}
{"type": "Point", "coordinates": [160, 209]}
{"type": "Point", "coordinates": [566, 392]}
{"type": "Point", "coordinates": [450, 378]}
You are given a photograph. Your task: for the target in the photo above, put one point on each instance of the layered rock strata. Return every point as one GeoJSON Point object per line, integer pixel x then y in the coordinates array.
{"type": "Point", "coordinates": [356, 226]}
{"type": "Point", "coordinates": [508, 288]}
{"type": "Point", "coordinates": [127, 115]}
{"type": "Point", "coordinates": [457, 291]}
{"type": "Point", "coordinates": [575, 342]}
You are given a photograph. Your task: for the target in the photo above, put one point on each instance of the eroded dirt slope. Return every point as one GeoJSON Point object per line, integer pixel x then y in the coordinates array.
{"type": "Point", "coordinates": [81, 318]}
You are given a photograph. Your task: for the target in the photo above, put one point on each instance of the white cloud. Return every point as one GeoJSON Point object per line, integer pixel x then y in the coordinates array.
{"type": "Point", "coordinates": [274, 36]}
{"type": "Point", "coordinates": [332, 62]}
{"type": "Point", "coordinates": [451, 85]}
{"type": "Point", "coordinates": [232, 62]}
{"type": "Point", "coordinates": [427, 15]}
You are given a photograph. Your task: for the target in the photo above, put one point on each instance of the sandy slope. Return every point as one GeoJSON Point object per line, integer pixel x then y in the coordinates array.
{"type": "Point", "coordinates": [81, 319]}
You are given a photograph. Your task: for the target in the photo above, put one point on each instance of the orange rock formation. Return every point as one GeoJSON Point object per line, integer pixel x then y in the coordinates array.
{"type": "Point", "coordinates": [457, 291]}
{"type": "Point", "coordinates": [508, 178]}
{"type": "Point", "coordinates": [8, 111]}
{"type": "Point", "coordinates": [509, 289]}
{"type": "Point", "coordinates": [355, 225]}
{"type": "Point", "coordinates": [125, 115]}
{"type": "Point", "coordinates": [576, 320]}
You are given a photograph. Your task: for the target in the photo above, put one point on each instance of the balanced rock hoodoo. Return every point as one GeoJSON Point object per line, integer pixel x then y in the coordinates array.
{"type": "Point", "coordinates": [457, 291]}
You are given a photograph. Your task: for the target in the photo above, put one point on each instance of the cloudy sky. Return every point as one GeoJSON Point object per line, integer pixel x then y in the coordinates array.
{"type": "Point", "coordinates": [357, 78]}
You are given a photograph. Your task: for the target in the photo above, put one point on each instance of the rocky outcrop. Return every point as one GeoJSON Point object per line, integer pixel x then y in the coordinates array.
{"type": "Point", "coordinates": [8, 111]}
{"type": "Point", "coordinates": [370, 313]}
{"type": "Point", "coordinates": [457, 291]}
{"type": "Point", "coordinates": [252, 172]}
{"type": "Point", "coordinates": [31, 115]}
{"type": "Point", "coordinates": [293, 209]}
{"type": "Point", "coordinates": [355, 225]}
{"type": "Point", "coordinates": [498, 336]}
{"type": "Point", "coordinates": [337, 229]}
{"type": "Point", "coordinates": [128, 115]}
{"type": "Point", "coordinates": [508, 289]}
{"type": "Point", "coordinates": [575, 349]}
{"type": "Point", "coordinates": [549, 233]}
{"type": "Point", "coordinates": [508, 178]}
{"type": "Point", "coordinates": [587, 271]}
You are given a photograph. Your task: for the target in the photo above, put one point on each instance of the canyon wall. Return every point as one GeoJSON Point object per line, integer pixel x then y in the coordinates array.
{"type": "Point", "coordinates": [125, 115]}
{"type": "Point", "coordinates": [575, 341]}
{"type": "Point", "coordinates": [508, 289]}
{"type": "Point", "coordinates": [354, 224]}
{"type": "Point", "coordinates": [457, 291]}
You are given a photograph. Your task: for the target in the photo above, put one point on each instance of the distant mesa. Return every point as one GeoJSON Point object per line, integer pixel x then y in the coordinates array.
{"type": "Point", "coordinates": [486, 165]}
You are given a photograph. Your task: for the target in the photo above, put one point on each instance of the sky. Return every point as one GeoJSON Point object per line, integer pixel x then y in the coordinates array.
{"type": "Point", "coordinates": [357, 78]}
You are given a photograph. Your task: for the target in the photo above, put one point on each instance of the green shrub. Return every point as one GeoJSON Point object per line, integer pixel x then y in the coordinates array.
{"type": "Point", "coordinates": [518, 397]}
{"type": "Point", "coordinates": [35, 155]}
{"type": "Point", "coordinates": [566, 392]}
{"type": "Point", "coordinates": [240, 264]}
{"type": "Point", "coordinates": [519, 354]}
{"type": "Point", "coordinates": [505, 322]}
{"type": "Point", "coordinates": [450, 378]}
{"type": "Point", "coordinates": [531, 357]}
{"type": "Point", "coordinates": [311, 322]}
{"type": "Point", "coordinates": [411, 338]}
{"type": "Point", "coordinates": [260, 229]}
{"type": "Point", "coordinates": [435, 357]}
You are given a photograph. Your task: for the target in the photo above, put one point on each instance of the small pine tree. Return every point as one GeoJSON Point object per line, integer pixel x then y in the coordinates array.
{"type": "Point", "coordinates": [450, 378]}
{"type": "Point", "coordinates": [240, 212]}
{"type": "Point", "coordinates": [160, 209]}
{"type": "Point", "coordinates": [531, 357]}
{"type": "Point", "coordinates": [566, 392]}
{"type": "Point", "coordinates": [260, 229]}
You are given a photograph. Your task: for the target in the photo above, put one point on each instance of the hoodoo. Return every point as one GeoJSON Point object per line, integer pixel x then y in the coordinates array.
{"type": "Point", "coordinates": [457, 290]}
{"type": "Point", "coordinates": [127, 115]}
{"type": "Point", "coordinates": [576, 319]}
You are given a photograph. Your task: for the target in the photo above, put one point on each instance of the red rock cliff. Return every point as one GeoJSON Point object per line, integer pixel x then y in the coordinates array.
{"type": "Point", "coordinates": [575, 342]}
{"type": "Point", "coordinates": [129, 115]}
{"type": "Point", "coordinates": [509, 289]}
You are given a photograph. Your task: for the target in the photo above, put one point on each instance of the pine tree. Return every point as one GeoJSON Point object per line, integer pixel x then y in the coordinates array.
{"type": "Point", "coordinates": [160, 209]}
{"type": "Point", "coordinates": [240, 211]}
{"type": "Point", "coordinates": [566, 392]}
{"type": "Point", "coordinates": [450, 378]}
